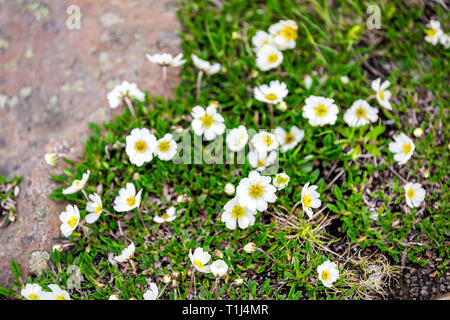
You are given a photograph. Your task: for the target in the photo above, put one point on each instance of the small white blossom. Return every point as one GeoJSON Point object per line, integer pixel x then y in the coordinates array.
{"type": "Point", "coordinates": [140, 146]}
{"type": "Point", "coordinates": [77, 185]}
{"type": "Point", "coordinates": [268, 57]}
{"type": "Point", "coordinates": [255, 192]}
{"type": "Point", "coordinates": [289, 140]}
{"type": "Point", "coordinates": [402, 147]}
{"type": "Point", "coordinates": [262, 38]}
{"type": "Point", "coordinates": [360, 114]}
{"type": "Point", "coordinates": [32, 291]}
{"type": "Point", "coordinates": [166, 59]}
{"type": "Point", "coordinates": [127, 199]}
{"type": "Point", "coordinates": [328, 273]}
{"type": "Point", "coordinates": [237, 138]}
{"type": "Point", "coordinates": [310, 199]}
{"type": "Point", "coordinates": [166, 147]}
{"type": "Point", "coordinates": [94, 207]}
{"type": "Point", "coordinates": [207, 123]}
{"type": "Point", "coordinates": [414, 194]}
{"type": "Point", "coordinates": [70, 219]}
{"type": "Point", "coordinates": [261, 160]}
{"type": "Point", "coordinates": [126, 253]}
{"type": "Point", "coordinates": [152, 292]}
{"type": "Point", "coordinates": [284, 34]}
{"type": "Point", "coordinates": [382, 94]}
{"type": "Point", "coordinates": [320, 111]}
{"type": "Point", "coordinates": [235, 214]}
{"type": "Point", "coordinates": [169, 216]}
{"type": "Point", "coordinates": [125, 89]}
{"type": "Point", "coordinates": [281, 180]}
{"type": "Point", "coordinates": [434, 32]}
{"type": "Point", "coordinates": [219, 268]}
{"type": "Point", "coordinates": [200, 259]}
{"type": "Point", "coordinates": [264, 141]}
{"type": "Point", "coordinates": [273, 93]}
{"type": "Point", "coordinates": [205, 66]}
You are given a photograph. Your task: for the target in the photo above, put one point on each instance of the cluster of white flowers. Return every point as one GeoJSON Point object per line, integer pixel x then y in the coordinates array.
{"type": "Point", "coordinates": [435, 34]}
{"type": "Point", "coordinates": [200, 260]}
{"type": "Point", "coordinates": [34, 291]}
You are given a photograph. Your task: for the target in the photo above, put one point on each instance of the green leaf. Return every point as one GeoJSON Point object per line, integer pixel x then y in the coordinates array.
{"type": "Point", "coordinates": [15, 268]}
{"type": "Point", "coordinates": [372, 149]}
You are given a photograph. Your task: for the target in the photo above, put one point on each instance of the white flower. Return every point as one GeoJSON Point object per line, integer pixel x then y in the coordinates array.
{"type": "Point", "coordinates": [264, 142]}
{"type": "Point", "coordinates": [328, 273]}
{"type": "Point", "coordinates": [199, 259]}
{"type": "Point", "coordinates": [360, 114]}
{"type": "Point", "coordinates": [402, 147]}
{"type": "Point", "coordinates": [281, 180]}
{"type": "Point", "coordinates": [152, 292]}
{"type": "Point", "coordinates": [126, 253]}
{"type": "Point", "coordinates": [418, 132]}
{"type": "Point", "coordinates": [310, 199]}
{"type": "Point", "coordinates": [70, 219]}
{"type": "Point", "coordinates": [207, 122]}
{"type": "Point", "coordinates": [127, 199]}
{"type": "Point", "coordinates": [282, 106]}
{"type": "Point", "coordinates": [434, 32]}
{"type": "Point", "coordinates": [169, 216]}
{"type": "Point", "coordinates": [166, 59]}
{"type": "Point", "coordinates": [205, 66]}
{"type": "Point", "coordinates": [234, 213]}
{"type": "Point", "coordinates": [383, 95]}
{"type": "Point", "coordinates": [250, 247]}
{"type": "Point", "coordinates": [262, 38]}
{"type": "Point", "coordinates": [255, 192]}
{"type": "Point", "coordinates": [273, 93]}
{"type": "Point", "coordinates": [289, 140]}
{"type": "Point", "coordinates": [77, 185]}
{"type": "Point", "coordinates": [32, 291]}
{"type": "Point", "coordinates": [261, 160]}
{"type": "Point", "coordinates": [140, 147]}
{"type": "Point", "coordinates": [284, 33]}
{"type": "Point", "coordinates": [320, 111]}
{"type": "Point", "coordinates": [113, 297]}
{"type": "Point", "coordinates": [51, 159]}
{"type": "Point", "coordinates": [166, 147]}
{"type": "Point", "coordinates": [125, 89]}
{"type": "Point", "coordinates": [414, 194]}
{"type": "Point", "coordinates": [229, 189]}
{"type": "Point", "coordinates": [56, 293]}
{"type": "Point", "coordinates": [237, 138]}
{"type": "Point", "coordinates": [219, 268]}
{"type": "Point", "coordinates": [94, 208]}
{"type": "Point", "coordinates": [344, 79]}
{"type": "Point", "coordinates": [268, 57]}
{"type": "Point", "coordinates": [444, 39]}
{"type": "Point", "coordinates": [307, 81]}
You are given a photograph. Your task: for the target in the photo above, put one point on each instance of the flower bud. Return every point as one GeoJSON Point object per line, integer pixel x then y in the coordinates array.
{"type": "Point", "coordinates": [250, 247]}
{"type": "Point", "coordinates": [167, 278]}
{"type": "Point", "coordinates": [418, 132]}
{"type": "Point", "coordinates": [218, 254]}
{"type": "Point", "coordinates": [229, 189]}
{"type": "Point", "coordinates": [238, 281]}
{"type": "Point", "coordinates": [51, 159]}
{"type": "Point", "coordinates": [282, 106]}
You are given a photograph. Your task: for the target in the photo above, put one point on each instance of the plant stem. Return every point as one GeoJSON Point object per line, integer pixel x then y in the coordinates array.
{"type": "Point", "coordinates": [190, 287]}
{"type": "Point", "coordinates": [130, 106]}
{"type": "Point", "coordinates": [165, 84]}
{"type": "Point", "coordinates": [199, 85]}
{"type": "Point", "coordinates": [142, 219]}
{"type": "Point", "coordinates": [85, 195]}
{"type": "Point", "coordinates": [271, 115]}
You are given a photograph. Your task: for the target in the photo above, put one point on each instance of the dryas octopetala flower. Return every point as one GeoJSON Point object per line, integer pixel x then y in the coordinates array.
{"type": "Point", "coordinates": [402, 147]}
{"type": "Point", "coordinates": [77, 185]}
{"type": "Point", "coordinates": [207, 123]}
{"type": "Point", "coordinates": [113, 297]}
{"type": "Point", "coordinates": [94, 208]}
{"type": "Point", "coordinates": [200, 259]}
{"type": "Point", "coordinates": [70, 219]}
{"type": "Point", "coordinates": [169, 216]}
{"type": "Point", "coordinates": [126, 253]}
{"type": "Point", "coordinates": [229, 189]}
{"type": "Point", "coordinates": [140, 147]}
{"type": "Point", "coordinates": [152, 292]}
{"type": "Point", "coordinates": [255, 192]}
{"type": "Point", "coordinates": [125, 89]}
{"type": "Point", "coordinates": [264, 142]}
{"type": "Point", "coordinates": [56, 293]}
{"type": "Point", "coordinates": [261, 39]}
{"type": "Point", "coordinates": [284, 34]}
{"type": "Point", "coordinates": [205, 66]}
{"type": "Point", "coordinates": [320, 111]}
{"type": "Point", "coordinates": [237, 138]}
{"type": "Point", "coordinates": [415, 194]}
{"type": "Point", "coordinates": [250, 247]}
{"type": "Point", "coordinates": [236, 214]}
{"type": "Point", "coordinates": [219, 268]}
{"type": "Point", "coordinates": [166, 147]}
{"type": "Point", "coordinates": [268, 57]}
{"type": "Point", "coordinates": [434, 32]}
{"type": "Point", "coordinates": [261, 160]}
{"type": "Point", "coordinates": [273, 93]}
{"type": "Point", "coordinates": [32, 291]}
{"type": "Point", "coordinates": [360, 114]}
{"type": "Point", "coordinates": [127, 199]}
{"type": "Point", "coordinates": [328, 273]}
{"type": "Point", "coordinates": [281, 180]}
{"type": "Point", "coordinates": [289, 140]}
{"type": "Point", "coordinates": [166, 59]}
{"type": "Point", "coordinates": [382, 94]}
{"type": "Point", "coordinates": [310, 199]}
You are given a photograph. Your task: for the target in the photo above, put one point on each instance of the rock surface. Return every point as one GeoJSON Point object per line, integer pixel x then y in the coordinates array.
{"type": "Point", "coordinates": [53, 82]}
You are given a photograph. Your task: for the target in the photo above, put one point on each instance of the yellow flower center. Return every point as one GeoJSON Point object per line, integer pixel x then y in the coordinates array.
{"type": "Point", "coordinates": [265, 42]}
{"type": "Point", "coordinates": [60, 298]}
{"type": "Point", "coordinates": [271, 96]}
{"type": "Point", "coordinates": [261, 163]}
{"type": "Point", "coordinates": [289, 138]}
{"type": "Point", "coordinates": [140, 146]}
{"type": "Point", "coordinates": [164, 146]}
{"type": "Point", "coordinates": [131, 201]}
{"type": "Point", "coordinates": [33, 296]}
{"type": "Point", "coordinates": [361, 112]}
{"type": "Point", "coordinates": [272, 58]}
{"type": "Point", "coordinates": [321, 110]}
{"type": "Point", "coordinates": [307, 200]}
{"type": "Point", "coordinates": [72, 222]}
{"type": "Point", "coordinates": [165, 216]}
{"type": "Point", "coordinates": [281, 180]}
{"type": "Point", "coordinates": [289, 33]}
{"type": "Point", "coordinates": [199, 264]}
{"type": "Point", "coordinates": [207, 120]}
{"type": "Point", "coordinates": [256, 191]}
{"type": "Point", "coordinates": [98, 209]}
{"type": "Point", "coordinates": [381, 95]}
{"type": "Point", "coordinates": [77, 182]}
{"type": "Point", "coordinates": [410, 193]}
{"type": "Point", "coordinates": [325, 275]}
{"type": "Point", "coordinates": [267, 140]}
{"type": "Point", "coordinates": [406, 148]}
{"type": "Point", "coordinates": [238, 212]}
{"type": "Point", "coordinates": [431, 32]}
